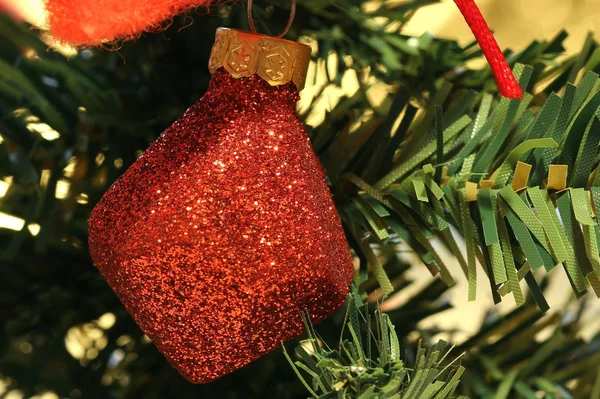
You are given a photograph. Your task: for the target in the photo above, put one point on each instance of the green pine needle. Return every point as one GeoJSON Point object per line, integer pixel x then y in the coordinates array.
{"type": "Point", "coordinates": [346, 373]}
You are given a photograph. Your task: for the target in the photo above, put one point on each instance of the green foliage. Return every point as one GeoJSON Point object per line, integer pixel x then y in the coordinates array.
{"type": "Point", "coordinates": [417, 186]}
{"type": "Point", "coordinates": [398, 171]}
{"type": "Point", "coordinates": [411, 164]}
{"type": "Point", "coordinates": [368, 365]}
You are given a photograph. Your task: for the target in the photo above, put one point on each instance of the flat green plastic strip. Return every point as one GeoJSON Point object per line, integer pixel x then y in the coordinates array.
{"type": "Point", "coordinates": [407, 236]}
{"type": "Point", "coordinates": [488, 211]}
{"type": "Point", "coordinates": [575, 235]}
{"type": "Point", "coordinates": [499, 136]}
{"type": "Point", "coordinates": [521, 273]}
{"type": "Point", "coordinates": [523, 107]}
{"type": "Point", "coordinates": [432, 389]}
{"type": "Point", "coordinates": [443, 269]}
{"type": "Point", "coordinates": [571, 265]}
{"type": "Point", "coordinates": [583, 89]}
{"type": "Point", "coordinates": [575, 134]}
{"type": "Point", "coordinates": [524, 238]}
{"type": "Point", "coordinates": [544, 251]}
{"type": "Point", "coordinates": [549, 262]}
{"type": "Point", "coordinates": [520, 132]}
{"type": "Point", "coordinates": [432, 217]}
{"type": "Point", "coordinates": [467, 167]}
{"type": "Point", "coordinates": [505, 116]}
{"type": "Point", "coordinates": [594, 90]}
{"type": "Point", "coordinates": [497, 259]}
{"type": "Point", "coordinates": [543, 158]}
{"type": "Point", "coordinates": [377, 268]}
{"type": "Point", "coordinates": [439, 221]}
{"type": "Point", "coordinates": [439, 135]}
{"type": "Point", "coordinates": [596, 198]}
{"type": "Point", "coordinates": [537, 293]}
{"type": "Point", "coordinates": [435, 189]}
{"type": "Point", "coordinates": [509, 263]}
{"type": "Point", "coordinates": [470, 243]}
{"type": "Point", "coordinates": [581, 57]}
{"type": "Point", "coordinates": [525, 214]}
{"type": "Point", "coordinates": [564, 115]}
{"type": "Point", "coordinates": [376, 205]}
{"type": "Point", "coordinates": [508, 166]}
{"type": "Point", "coordinates": [366, 187]}
{"type": "Point", "coordinates": [588, 150]}
{"type": "Point", "coordinates": [377, 224]}
{"type": "Point", "coordinates": [448, 238]}
{"type": "Point", "coordinates": [593, 62]}
{"type": "Point", "coordinates": [420, 191]}
{"type": "Point", "coordinates": [537, 198]}
{"type": "Point", "coordinates": [462, 105]}
{"type": "Point", "coordinates": [422, 129]}
{"type": "Point", "coordinates": [525, 268]}
{"type": "Point", "coordinates": [583, 213]}
{"type": "Point", "coordinates": [452, 206]}
{"type": "Point", "coordinates": [435, 265]}
{"type": "Point", "coordinates": [546, 117]}
{"type": "Point", "coordinates": [410, 202]}
{"type": "Point", "coordinates": [405, 167]}
{"type": "Point", "coordinates": [594, 281]}
{"type": "Point", "coordinates": [596, 181]}
{"type": "Point", "coordinates": [476, 133]}
{"type": "Point", "coordinates": [452, 384]}
{"type": "Point", "coordinates": [488, 208]}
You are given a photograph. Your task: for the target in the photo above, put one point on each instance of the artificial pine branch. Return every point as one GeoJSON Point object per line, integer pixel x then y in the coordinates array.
{"type": "Point", "coordinates": [522, 354]}
{"type": "Point", "coordinates": [367, 362]}
{"type": "Point", "coordinates": [125, 106]}
{"type": "Point", "coordinates": [494, 171]}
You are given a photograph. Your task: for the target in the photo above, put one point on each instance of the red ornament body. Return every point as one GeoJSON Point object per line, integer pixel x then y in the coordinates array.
{"type": "Point", "coordinates": [224, 231]}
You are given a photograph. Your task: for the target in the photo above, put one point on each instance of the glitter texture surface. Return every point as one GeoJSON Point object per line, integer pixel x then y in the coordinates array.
{"type": "Point", "coordinates": [223, 231]}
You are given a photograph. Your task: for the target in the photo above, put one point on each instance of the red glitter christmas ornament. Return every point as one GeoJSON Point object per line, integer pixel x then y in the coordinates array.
{"type": "Point", "coordinates": [224, 230]}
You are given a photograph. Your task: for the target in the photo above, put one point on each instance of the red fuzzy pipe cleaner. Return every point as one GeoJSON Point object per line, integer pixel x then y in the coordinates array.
{"type": "Point", "coordinates": [92, 22]}
{"type": "Point", "coordinates": [507, 83]}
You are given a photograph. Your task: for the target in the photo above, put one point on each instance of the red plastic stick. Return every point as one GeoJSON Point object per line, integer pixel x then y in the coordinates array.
{"type": "Point", "coordinates": [507, 83]}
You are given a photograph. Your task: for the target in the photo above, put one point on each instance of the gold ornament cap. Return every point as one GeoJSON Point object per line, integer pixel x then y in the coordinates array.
{"type": "Point", "coordinates": [277, 61]}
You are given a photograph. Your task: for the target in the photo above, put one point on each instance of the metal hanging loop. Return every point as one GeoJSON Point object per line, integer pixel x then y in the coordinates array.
{"type": "Point", "coordinates": [287, 27]}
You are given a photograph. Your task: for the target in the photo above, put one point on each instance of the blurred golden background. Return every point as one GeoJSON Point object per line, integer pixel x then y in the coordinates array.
{"type": "Point", "coordinates": [515, 22]}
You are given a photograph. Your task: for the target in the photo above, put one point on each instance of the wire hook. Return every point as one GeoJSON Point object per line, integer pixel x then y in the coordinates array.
{"type": "Point", "coordinates": [287, 27]}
